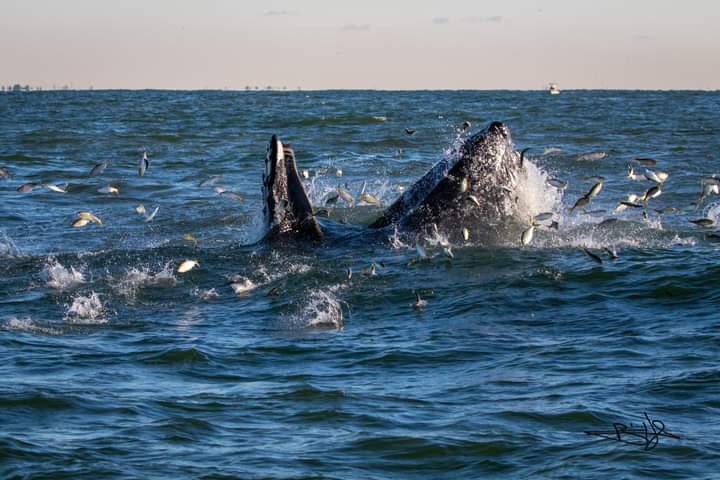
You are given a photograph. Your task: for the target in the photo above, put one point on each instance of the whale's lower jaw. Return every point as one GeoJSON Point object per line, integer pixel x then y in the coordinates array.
{"type": "Point", "coordinates": [477, 190]}
{"type": "Point", "coordinates": [287, 210]}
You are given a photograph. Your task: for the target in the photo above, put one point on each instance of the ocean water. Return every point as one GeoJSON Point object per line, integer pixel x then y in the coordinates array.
{"type": "Point", "coordinates": [114, 365]}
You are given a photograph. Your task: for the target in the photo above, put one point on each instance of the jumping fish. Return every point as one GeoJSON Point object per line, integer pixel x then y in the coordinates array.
{"type": "Point", "coordinates": [703, 222]}
{"type": "Point", "coordinates": [57, 188]}
{"type": "Point", "coordinates": [144, 164]}
{"type": "Point", "coordinates": [419, 302]}
{"type": "Point", "coordinates": [89, 216]}
{"type": "Point", "coordinates": [581, 202]}
{"type": "Point", "coordinates": [109, 189]}
{"type": "Point", "coordinates": [650, 162]}
{"type": "Point", "coordinates": [369, 198]}
{"type": "Point", "coordinates": [152, 215]}
{"type": "Point", "coordinates": [99, 168]}
{"type": "Point", "coordinates": [187, 265]}
{"type": "Point", "coordinates": [594, 256]}
{"type": "Point", "coordinates": [27, 187]}
{"type": "Point", "coordinates": [634, 176]}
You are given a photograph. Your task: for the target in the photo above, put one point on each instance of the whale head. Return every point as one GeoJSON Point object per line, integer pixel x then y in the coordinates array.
{"type": "Point", "coordinates": [287, 210]}
{"type": "Point", "coordinates": [475, 187]}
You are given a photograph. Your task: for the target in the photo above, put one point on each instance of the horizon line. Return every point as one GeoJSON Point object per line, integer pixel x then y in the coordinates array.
{"type": "Point", "coordinates": [36, 89]}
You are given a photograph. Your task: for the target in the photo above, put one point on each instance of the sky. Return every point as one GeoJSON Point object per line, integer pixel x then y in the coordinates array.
{"type": "Point", "coordinates": [375, 44]}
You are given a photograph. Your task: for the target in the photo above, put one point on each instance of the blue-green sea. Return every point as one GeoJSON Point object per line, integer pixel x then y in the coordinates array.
{"type": "Point", "coordinates": [115, 365]}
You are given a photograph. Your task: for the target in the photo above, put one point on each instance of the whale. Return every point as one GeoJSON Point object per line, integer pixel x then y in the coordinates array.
{"type": "Point", "coordinates": [287, 210]}
{"type": "Point", "coordinates": [475, 188]}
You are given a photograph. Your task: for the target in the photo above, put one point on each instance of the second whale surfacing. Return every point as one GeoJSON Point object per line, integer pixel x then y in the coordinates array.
{"type": "Point", "coordinates": [476, 190]}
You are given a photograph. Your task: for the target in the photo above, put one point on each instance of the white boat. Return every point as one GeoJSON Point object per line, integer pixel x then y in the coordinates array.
{"type": "Point", "coordinates": [553, 89]}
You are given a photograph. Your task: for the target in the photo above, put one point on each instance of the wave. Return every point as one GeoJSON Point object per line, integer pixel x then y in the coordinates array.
{"type": "Point", "coordinates": [27, 324]}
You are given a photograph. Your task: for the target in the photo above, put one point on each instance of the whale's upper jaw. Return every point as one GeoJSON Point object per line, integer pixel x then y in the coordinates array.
{"type": "Point", "coordinates": [489, 151]}
{"type": "Point", "coordinates": [490, 166]}
{"type": "Point", "coordinates": [287, 209]}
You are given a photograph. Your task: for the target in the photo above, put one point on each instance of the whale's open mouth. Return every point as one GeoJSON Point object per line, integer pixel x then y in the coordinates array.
{"type": "Point", "coordinates": [287, 209]}
{"type": "Point", "coordinates": [476, 187]}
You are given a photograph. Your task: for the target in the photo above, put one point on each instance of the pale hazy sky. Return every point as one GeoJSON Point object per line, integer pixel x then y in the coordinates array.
{"type": "Point", "coordinates": [393, 44]}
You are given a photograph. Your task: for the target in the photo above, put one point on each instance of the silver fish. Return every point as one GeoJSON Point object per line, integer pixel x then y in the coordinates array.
{"type": "Point", "coordinates": [332, 198]}
{"type": "Point", "coordinates": [232, 196]}
{"type": "Point", "coordinates": [369, 198]}
{"type": "Point", "coordinates": [652, 192]}
{"type": "Point", "coordinates": [527, 235]}
{"type": "Point", "coordinates": [595, 190]}
{"type": "Point", "coordinates": [611, 253]}
{"type": "Point", "coordinates": [80, 222]}
{"type": "Point", "coordinates": [144, 164]}
{"type": "Point", "coordinates": [99, 168]}
{"type": "Point", "coordinates": [27, 187]}
{"type": "Point", "coordinates": [657, 177]}
{"type": "Point", "coordinates": [650, 162]}
{"type": "Point", "coordinates": [631, 204]}
{"type": "Point", "coordinates": [541, 217]}
{"type": "Point", "coordinates": [419, 302]}
{"type": "Point", "coordinates": [474, 199]}
{"type": "Point", "coordinates": [62, 188]}
{"type": "Point", "coordinates": [345, 195]}
{"type": "Point", "coordinates": [109, 189]}
{"type": "Point", "coordinates": [210, 180]}
{"type": "Point", "coordinates": [634, 176]}
{"type": "Point", "coordinates": [557, 183]}
{"type": "Point", "coordinates": [89, 216]}
{"type": "Point", "coordinates": [594, 256]}
{"type": "Point", "coordinates": [152, 215]}
{"type": "Point", "coordinates": [703, 222]}
{"type": "Point", "coordinates": [464, 184]}
{"type": "Point", "coordinates": [187, 265]}
{"type": "Point", "coordinates": [581, 202]}
{"type": "Point", "coordinates": [592, 156]}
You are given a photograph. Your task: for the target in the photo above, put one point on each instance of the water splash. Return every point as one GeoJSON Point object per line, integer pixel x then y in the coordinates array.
{"type": "Point", "coordinates": [86, 310]}
{"type": "Point", "coordinates": [61, 278]}
{"type": "Point", "coordinates": [28, 325]}
{"type": "Point", "coordinates": [205, 294]}
{"type": "Point", "coordinates": [534, 194]}
{"type": "Point", "coordinates": [322, 310]}
{"type": "Point", "coordinates": [134, 279]}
